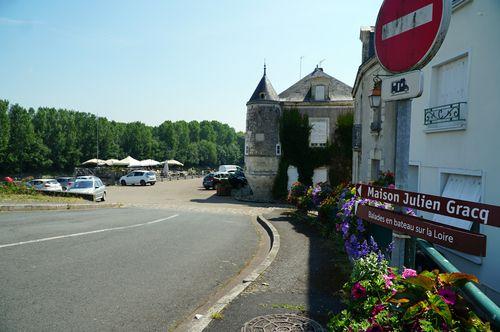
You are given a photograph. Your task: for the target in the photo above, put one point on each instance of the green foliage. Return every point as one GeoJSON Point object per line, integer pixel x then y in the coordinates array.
{"type": "Point", "coordinates": [57, 140]}
{"type": "Point", "coordinates": [378, 300]}
{"type": "Point", "coordinates": [280, 184]}
{"type": "Point", "coordinates": [341, 162]}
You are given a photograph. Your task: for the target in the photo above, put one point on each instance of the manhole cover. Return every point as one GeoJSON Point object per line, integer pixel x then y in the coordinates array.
{"type": "Point", "coordinates": [281, 323]}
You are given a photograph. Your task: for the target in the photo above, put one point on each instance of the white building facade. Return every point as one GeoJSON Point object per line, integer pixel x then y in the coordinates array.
{"type": "Point", "coordinates": [454, 129]}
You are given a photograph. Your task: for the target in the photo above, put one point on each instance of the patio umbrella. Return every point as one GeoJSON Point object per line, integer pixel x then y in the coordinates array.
{"type": "Point", "coordinates": [98, 162]}
{"type": "Point", "coordinates": [130, 162]}
{"type": "Point", "coordinates": [149, 162]}
{"type": "Point", "coordinates": [173, 162]}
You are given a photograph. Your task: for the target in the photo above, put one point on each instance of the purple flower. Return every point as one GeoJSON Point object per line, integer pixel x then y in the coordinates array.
{"type": "Point", "coordinates": [448, 295]}
{"type": "Point", "coordinates": [408, 273]}
{"type": "Point", "coordinates": [360, 227]}
{"type": "Point", "coordinates": [377, 308]}
{"type": "Point", "coordinates": [358, 291]}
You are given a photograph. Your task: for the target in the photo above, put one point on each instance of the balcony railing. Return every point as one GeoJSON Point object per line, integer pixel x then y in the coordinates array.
{"type": "Point", "coordinates": [356, 137]}
{"type": "Point", "coordinates": [450, 113]}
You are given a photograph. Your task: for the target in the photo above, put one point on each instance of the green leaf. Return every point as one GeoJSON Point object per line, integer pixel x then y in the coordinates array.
{"type": "Point", "coordinates": [415, 310]}
{"type": "Point", "coordinates": [457, 278]}
{"type": "Point", "coordinates": [421, 281]}
{"type": "Point", "coordinates": [440, 307]}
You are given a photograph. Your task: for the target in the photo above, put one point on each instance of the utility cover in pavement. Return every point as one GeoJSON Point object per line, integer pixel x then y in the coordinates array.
{"type": "Point", "coordinates": [282, 322]}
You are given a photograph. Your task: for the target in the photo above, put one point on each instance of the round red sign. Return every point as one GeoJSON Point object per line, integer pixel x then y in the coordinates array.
{"type": "Point", "coordinates": [409, 33]}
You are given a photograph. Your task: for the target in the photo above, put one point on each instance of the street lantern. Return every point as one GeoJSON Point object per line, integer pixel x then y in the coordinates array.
{"type": "Point", "coordinates": [375, 98]}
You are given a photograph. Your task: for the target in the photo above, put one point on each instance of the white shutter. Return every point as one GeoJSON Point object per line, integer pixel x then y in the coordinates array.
{"type": "Point", "coordinates": [451, 82]}
{"type": "Point", "coordinates": [319, 131]}
{"type": "Point", "coordinates": [293, 176]}
{"type": "Point", "coordinates": [464, 187]}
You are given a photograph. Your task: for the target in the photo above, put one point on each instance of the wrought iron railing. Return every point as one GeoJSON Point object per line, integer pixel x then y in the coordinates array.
{"type": "Point", "coordinates": [356, 137]}
{"type": "Point", "coordinates": [445, 113]}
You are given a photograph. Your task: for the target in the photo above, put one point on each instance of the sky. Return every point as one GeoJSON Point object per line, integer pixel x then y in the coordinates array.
{"type": "Point", "coordinates": [154, 60]}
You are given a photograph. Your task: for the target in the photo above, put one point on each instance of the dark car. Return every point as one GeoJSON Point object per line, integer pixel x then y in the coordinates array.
{"type": "Point", "coordinates": [238, 179]}
{"type": "Point", "coordinates": [208, 181]}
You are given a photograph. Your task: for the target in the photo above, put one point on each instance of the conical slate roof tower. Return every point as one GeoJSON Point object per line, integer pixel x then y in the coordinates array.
{"type": "Point", "coordinates": [262, 139]}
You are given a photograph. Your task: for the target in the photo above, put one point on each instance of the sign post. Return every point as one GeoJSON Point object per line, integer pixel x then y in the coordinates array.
{"type": "Point", "coordinates": [407, 36]}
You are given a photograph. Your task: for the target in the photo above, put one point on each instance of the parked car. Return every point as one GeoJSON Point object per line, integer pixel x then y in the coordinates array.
{"type": "Point", "coordinates": [208, 181]}
{"type": "Point", "coordinates": [218, 176]}
{"type": "Point", "coordinates": [138, 177]}
{"type": "Point", "coordinates": [238, 179]}
{"type": "Point", "coordinates": [230, 168]}
{"type": "Point", "coordinates": [65, 181]}
{"type": "Point", "coordinates": [44, 185]}
{"type": "Point", "coordinates": [90, 185]}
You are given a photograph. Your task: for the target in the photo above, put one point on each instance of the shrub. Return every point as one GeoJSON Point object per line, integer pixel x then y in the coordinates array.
{"type": "Point", "coordinates": [379, 299]}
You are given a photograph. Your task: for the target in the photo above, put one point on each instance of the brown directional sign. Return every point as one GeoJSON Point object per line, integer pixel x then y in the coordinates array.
{"type": "Point", "coordinates": [456, 208]}
{"type": "Point", "coordinates": [444, 235]}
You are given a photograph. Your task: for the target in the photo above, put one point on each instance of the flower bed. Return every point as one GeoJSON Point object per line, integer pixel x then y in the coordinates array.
{"type": "Point", "coordinates": [378, 298]}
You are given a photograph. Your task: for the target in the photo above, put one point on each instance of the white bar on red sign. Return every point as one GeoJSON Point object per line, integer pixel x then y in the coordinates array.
{"type": "Point", "coordinates": [409, 21]}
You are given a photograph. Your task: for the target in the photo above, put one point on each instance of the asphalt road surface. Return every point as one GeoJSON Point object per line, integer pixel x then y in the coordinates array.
{"type": "Point", "coordinates": [115, 269]}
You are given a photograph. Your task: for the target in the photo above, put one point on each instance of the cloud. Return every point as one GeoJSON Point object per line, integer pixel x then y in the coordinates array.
{"type": "Point", "coordinates": [12, 21]}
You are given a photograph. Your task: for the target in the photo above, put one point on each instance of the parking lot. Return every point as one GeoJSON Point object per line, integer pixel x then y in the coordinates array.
{"type": "Point", "coordinates": [187, 194]}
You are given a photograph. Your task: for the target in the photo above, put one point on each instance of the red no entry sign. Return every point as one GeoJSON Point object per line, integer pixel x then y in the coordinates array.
{"type": "Point", "coordinates": [409, 33]}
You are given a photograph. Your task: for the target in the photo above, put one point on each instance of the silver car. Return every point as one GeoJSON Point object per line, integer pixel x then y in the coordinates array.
{"type": "Point", "coordinates": [44, 185]}
{"type": "Point", "coordinates": [89, 185]}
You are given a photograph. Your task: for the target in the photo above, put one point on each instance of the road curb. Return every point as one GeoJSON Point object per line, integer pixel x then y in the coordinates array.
{"type": "Point", "coordinates": [62, 206]}
{"type": "Point", "coordinates": [226, 299]}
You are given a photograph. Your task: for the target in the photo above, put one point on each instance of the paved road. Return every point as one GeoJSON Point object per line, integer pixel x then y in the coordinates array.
{"type": "Point", "coordinates": [117, 269]}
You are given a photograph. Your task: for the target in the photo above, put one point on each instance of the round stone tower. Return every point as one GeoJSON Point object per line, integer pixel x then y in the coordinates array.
{"type": "Point", "coordinates": [262, 148]}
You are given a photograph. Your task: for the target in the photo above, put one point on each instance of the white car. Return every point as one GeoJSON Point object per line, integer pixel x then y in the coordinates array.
{"type": "Point", "coordinates": [89, 185]}
{"type": "Point", "coordinates": [141, 177]}
{"type": "Point", "coordinates": [45, 185]}
{"type": "Point", "coordinates": [230, 168]}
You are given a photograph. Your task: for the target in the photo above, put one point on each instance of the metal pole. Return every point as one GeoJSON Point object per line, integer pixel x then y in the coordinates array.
{"type": "Point", "coordinates": [403, 253]}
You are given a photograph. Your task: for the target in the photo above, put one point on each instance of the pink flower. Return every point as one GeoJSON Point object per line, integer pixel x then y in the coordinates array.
{"type": "Point", "coordinates": [409, 273]}
{"type": "Point", "coordinates": [358, 291]}
{"type": "Point", "coordinates": [376, 309]}
{"type": "Point", "coordinates": [388, 280]}
{"type": "Point", "coordinates": [391, 186]}
{"type": "Point", "coordinates": [448, 295]}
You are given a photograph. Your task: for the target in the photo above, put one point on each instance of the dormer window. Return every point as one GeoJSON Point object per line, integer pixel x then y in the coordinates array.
{"type": "Point", "coordinates": [262, 95]}
{"type": "Point", "coordinates": [319, 92]}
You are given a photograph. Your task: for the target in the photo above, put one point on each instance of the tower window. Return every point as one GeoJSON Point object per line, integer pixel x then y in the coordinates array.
{"type": "Point", "coordinates": [278, 149]}
{"type": "Point", "coordinates": [262, 95]}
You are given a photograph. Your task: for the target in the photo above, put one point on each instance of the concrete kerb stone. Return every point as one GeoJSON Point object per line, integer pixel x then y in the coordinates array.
{"type": "Point", "coordinates": [47, 207]}
{"type": "Point", "coordinates": [274, 237]}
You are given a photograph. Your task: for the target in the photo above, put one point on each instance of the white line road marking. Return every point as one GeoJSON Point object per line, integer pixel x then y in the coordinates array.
{"type": "Point", "coordinates": [409, 21]}
{"type": "Point", "coordinates": [86, 233]}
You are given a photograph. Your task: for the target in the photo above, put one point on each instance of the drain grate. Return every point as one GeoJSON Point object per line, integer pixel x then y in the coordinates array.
{"type": "Point", "coordinates": [282, 323]}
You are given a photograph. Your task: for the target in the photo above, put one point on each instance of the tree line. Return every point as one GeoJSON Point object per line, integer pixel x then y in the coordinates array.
{"type": "Point", "coordinates": [57, 140]}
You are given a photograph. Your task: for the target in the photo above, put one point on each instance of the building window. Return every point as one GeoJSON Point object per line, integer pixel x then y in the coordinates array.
{"type": "Point", "coordinates": [319, 132]}
{"type": "Point", "coordinates": [375, 169]}
{"type": "Point", "coordinates": [278, 149]}
{"type": "Point", "coordinates": [247, 150]}
{"type": "Point", "coordinates": [458, 3]}
{"type": "Point", "coordinates": [262, 95]}
{"type": "Point", "coordinates": [319, 92]}
{"type": "Point", "coordinates": [449, 96]}
{"type": "Point", "coordinates": [464, 187]}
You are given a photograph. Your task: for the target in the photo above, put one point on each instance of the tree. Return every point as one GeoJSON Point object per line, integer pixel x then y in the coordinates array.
{"type": "Point", "coordinates": [341, 166]}
{"type": "Point", "coordinates": [194, 131]}
{"type": "Point", "coordinates": [4, 132]}
{"type": "Point", "coordinates": [26, 150]}
{"type": "Point", "coordinates": [207, 152]}
{"type": "Point", "coordinates": [207, 132]}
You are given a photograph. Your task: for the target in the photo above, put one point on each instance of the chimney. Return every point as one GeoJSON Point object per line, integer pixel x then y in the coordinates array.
{"type": "Point", "coordinates": [366, 35]}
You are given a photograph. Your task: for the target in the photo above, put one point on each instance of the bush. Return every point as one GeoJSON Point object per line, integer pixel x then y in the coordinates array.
{"type": "Point", "coordinates": [379, 299]}
{"type": "Point", "coordinates": [12, 188]}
